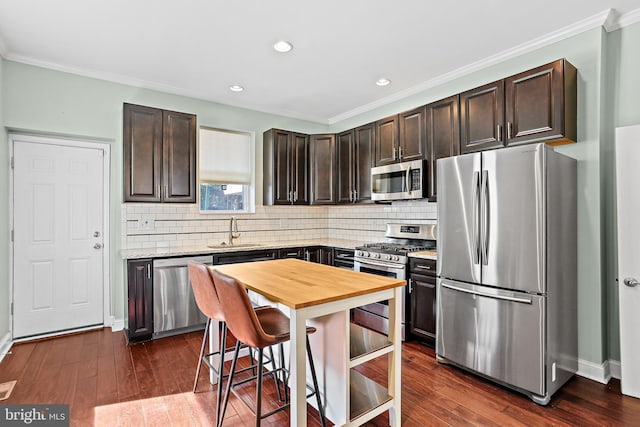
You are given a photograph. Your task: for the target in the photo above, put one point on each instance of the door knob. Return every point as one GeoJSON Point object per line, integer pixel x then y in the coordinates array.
{"type": "Point", "coordinates": [631, 282]}
{"type": "Point", "coordinates": [97, 246]}
{"type": "Point", "coordinates": [96, 234]}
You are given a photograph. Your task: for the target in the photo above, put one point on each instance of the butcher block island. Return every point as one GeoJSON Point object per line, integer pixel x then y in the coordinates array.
{"type": "Point", "coordinates": [321, 296]}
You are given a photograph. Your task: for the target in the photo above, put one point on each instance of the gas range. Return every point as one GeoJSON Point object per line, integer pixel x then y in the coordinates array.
{"type": "Point", "coordinates": [389, 258]}
{"type": "Point", "coordinates": [401, 240]}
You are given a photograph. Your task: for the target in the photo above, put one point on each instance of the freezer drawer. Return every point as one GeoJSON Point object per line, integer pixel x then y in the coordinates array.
{"type": "Point", "coordinates": [493, 332]}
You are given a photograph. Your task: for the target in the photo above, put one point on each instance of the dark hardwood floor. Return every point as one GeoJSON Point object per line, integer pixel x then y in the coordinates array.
{"type": "Point", "coordinates": [109, 383]}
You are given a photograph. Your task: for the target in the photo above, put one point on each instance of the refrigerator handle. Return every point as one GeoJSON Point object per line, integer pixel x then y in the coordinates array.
{"type": "Point", "coordinates": [476, 218]}
{"type": "Point", "coordinates": [484, 218]}
{"type": "Point", "coordinates": [483, 294]}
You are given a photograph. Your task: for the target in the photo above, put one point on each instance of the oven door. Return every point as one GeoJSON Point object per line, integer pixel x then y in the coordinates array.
{"type": "Point", "coordinates": [376, 316]}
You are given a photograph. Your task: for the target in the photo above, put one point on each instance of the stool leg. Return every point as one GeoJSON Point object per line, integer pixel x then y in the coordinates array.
{"type": "Point", "coordinates": [259, 389]}
{"type": "Point", "coordinates": [285, 377]}
{"type": "Point", "coordinates": [275, 374]}
{"type": "Point", "coordinates": [229, 382]}
{"type": "Point", "coordinates": [315, 383]}
{"type": "Point", "coordinates": [221, 371]}
{"type": "Point", "coordinates": [204, 343]}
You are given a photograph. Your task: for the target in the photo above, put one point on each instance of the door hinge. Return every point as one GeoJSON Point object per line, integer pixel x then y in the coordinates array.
{"type": "Point", "coordinates": [12, 235]}
{"type": "Point", "coordinates": [13, 162]}
{"type": "Point", "coordinates": [11, 309]}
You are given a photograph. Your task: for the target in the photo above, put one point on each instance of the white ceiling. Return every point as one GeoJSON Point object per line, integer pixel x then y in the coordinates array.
{"type": "Point", "coordinates": [341, 47]}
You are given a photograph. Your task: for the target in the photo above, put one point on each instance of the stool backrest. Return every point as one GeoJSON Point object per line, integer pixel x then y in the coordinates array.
{"type": "Point", "coordinates": [205, 291]}
{"type": "Point", "coordinates": [238, 312]}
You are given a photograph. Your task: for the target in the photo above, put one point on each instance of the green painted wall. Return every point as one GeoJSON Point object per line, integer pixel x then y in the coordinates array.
{"type": "Point", "coordinates": [585, 52]}
{"type": "Point", "coordinates": [4, 215]}
{"type": "Point", "coordinates": [42, 101]}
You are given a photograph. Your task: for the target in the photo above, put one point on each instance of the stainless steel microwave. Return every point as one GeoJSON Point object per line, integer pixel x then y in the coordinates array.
{"type": "Point", "coordinates": [399, 181]}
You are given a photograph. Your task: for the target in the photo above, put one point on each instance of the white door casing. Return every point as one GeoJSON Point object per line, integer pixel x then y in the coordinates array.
{"type": "Point", "coordinates": [58, 218]}
{"type": "Point", "coordinates": [628, 206]}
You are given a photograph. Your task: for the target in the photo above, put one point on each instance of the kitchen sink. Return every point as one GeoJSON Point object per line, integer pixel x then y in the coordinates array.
{"type": "Point", "coordinates": [235, 245]}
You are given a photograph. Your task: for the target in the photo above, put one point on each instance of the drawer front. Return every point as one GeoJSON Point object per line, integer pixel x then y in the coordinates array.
{"type": "Point", "coordinates": [422, 266]}
{"type": "Point", "coordinates": [493, 332]}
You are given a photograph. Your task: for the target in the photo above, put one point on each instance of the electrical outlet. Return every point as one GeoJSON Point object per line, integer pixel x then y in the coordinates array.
{"type": "Point", "coordinates": [146, 224]}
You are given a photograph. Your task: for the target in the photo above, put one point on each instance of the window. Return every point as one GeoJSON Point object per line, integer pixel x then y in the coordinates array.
{"type": "Point", "coordinates": [226, 171]}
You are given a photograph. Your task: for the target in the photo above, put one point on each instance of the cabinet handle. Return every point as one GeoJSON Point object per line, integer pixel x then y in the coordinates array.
{"type": "Point", "coordinates": [149, 271]}
{"type": "Point", "coordinates": [423, 266]}
{"type": "Point", "coordinates": [400, 153]}
{"type": "Point", "coordinates": [307, 256]}
{"type": "Point", "coordinates": [166, 191]}
{"type": "Point", "coordinates": [499, 132]}
{"type": "Point", "coordinates": [393, 152]}
{"type": "Point", "coordinates": [290, 196]}
{"type": "Point", "coordinates": [355, 196]}
{"type": "Point", "coordinates": [410, 285]}
{"type": "Point", "coordinates": [295, 195]}
{"type": "Point", "coordinates": [159, 190]}
{"type": "Point", "coordinates": [509, 130]}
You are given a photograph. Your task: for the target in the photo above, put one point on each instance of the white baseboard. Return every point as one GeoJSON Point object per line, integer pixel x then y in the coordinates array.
{"type": "Point", "coordinates": [5, 345]}
{"type": "Point", "coordinates": [115, 324]}
{"type": "Point", "coordinates": [600, 372]}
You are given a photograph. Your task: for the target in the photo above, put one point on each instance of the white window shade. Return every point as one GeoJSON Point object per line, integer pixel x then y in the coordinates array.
{"type": "Point", "coordinates": [225, 157]}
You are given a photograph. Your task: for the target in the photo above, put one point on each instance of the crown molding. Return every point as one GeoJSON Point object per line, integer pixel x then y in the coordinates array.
{"type": "Point", "coordinates": [617, 22]}
{"type": "Point", "coordinates": [594, 21]}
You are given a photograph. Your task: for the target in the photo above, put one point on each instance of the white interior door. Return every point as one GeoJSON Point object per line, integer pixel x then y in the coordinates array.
{"type": "Point", "coordinates": [628, 206]}
{"type": "Point", "coordinates": [58, 244]}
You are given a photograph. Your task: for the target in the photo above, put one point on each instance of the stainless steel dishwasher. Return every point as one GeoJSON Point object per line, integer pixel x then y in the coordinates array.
{"type": "Point", "coordinates": [174, 306]}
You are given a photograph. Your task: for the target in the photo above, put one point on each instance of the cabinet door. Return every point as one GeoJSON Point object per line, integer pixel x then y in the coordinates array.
{"type": "Point", "coordinates": [423, 307]}
{"type": "Point", "coordinates": [386, 141]}
{"type": "Point", "coordinates": [299, 149]}
{"type": "Point", "coordinates": [140, 300]}
{"type": "Point", "coordinates": [179, 155]}
{"type": "Point", "coordinates": [363, 161]}
{"type": "Point", "coordinates": [345, 157]}
{"type": "Point", "coordinates": [413, 135]}
{"type": "Point", "coordinates": [535, 104]}
{"type": "Point", "coordinates": [298, 253]}
{"type": "Point", "coordinates": [281, 170]}
{"type": "Point", "coordinates": [142, 153]}
{"type": "Point", "coordinates": [322, 169]}
{"type": "Point", "coordinates": [482, 117]}
{"type": "Point", "coordinates": [443, 137]}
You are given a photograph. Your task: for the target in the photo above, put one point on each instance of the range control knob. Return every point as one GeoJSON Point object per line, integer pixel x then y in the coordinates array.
{"type": "Point", "coordinates": [376, 255]}
{"type": "Point", "coordinates": [396, 258]}
{"type": "Point", "coordinates": [387, 257]}
{"type": "Point", "coordinates": [365, 254]}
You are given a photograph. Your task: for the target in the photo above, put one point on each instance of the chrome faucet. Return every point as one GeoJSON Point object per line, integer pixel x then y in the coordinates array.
{"type": "Point", "coordinates": [233, 230]}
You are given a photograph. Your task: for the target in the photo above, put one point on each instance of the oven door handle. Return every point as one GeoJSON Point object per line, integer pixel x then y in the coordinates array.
{"type": "Point", "coordinates": [388, 267]}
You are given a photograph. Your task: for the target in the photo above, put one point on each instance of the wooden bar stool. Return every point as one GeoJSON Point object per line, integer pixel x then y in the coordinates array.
{"type": "Point", "coordinates": [209, 303]}
{"type": "Point", "coordinates": [258, 329]}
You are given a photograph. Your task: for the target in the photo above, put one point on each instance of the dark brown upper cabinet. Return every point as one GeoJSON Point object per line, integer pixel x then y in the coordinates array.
{"type": "Point", "coordinates": [541, 104]}
{"type": "Point", "coordinates": [538, 105]}
{"type": "Point", "coordinates": [322, 166]}
{"type": "Point", "coordinates": [443, 137]}
{"type": "Point", "coordinates": [355, 156]}
{"type": "Point", "coordinates": [401, 138]}
{"type": "Point", "coordinates": [386, 135]}
{"type": "Point", "coordinates": [159, 155]}
{"type": "Point", "coordinates": [285, 168]}
{"type": "Point", "coordinates": [413, 135]}
{"type": "Point", "coordinates": [482, 117]}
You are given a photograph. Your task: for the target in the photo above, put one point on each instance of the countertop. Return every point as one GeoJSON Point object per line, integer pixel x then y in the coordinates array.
{"type": "Point", "coordinates": [424, 255]}
{"type": "Point", "coordinates": [298, 284]}
{"type": "Point", "coordinates": [240, 246]}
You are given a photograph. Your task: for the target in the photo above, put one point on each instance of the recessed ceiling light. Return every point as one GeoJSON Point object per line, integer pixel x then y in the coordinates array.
{"type": "Point", "coordinates": [383, 82]}
{"type": "Point", "coordinates": [236, 88]}
{"type": "Point", "coordinates": [282, 46]}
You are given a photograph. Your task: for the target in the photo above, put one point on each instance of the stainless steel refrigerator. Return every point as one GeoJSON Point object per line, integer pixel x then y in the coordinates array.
{"type": "Point", "coordinates": [507, 267]}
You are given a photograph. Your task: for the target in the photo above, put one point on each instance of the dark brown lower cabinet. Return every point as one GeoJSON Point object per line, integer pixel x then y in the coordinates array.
{"type": "Point", "coordinates": [245, 256]}
{"type": "Point", "coordinates": [319, 254]}
{"type": "Point", "coordinates": [140, 300]}
{"type": "Point", "coordinates": [422, 291]}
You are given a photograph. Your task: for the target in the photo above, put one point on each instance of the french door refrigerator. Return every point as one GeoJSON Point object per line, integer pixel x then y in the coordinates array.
{"type": "Point", "coordinates": [507, 267]}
